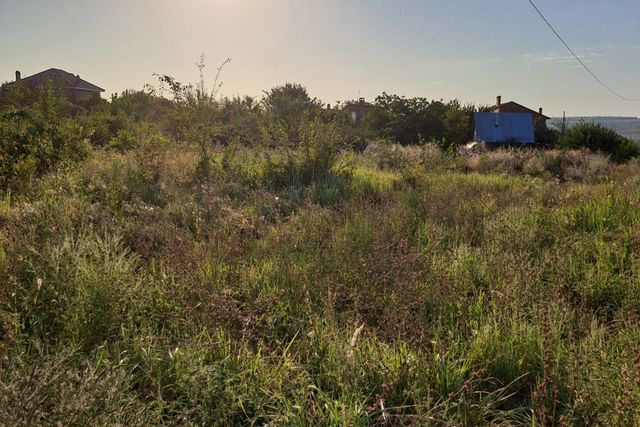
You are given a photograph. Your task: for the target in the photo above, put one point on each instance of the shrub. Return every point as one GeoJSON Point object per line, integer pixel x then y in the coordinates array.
{"type": "Point", "coordinates": [33, 141]}
{"type": "Point", "coordinates": [101, 123]}
{"type": "Point", "coordinates": [240, 121]}
{"type": "Point", "coordinates": [313, 160]}
{"type": "Point", "coordinates": [319, 146]}
{"type": "Point", "coordinates": [196, 115]}
{"type": "Point", "coordinates": [546, 137]}
{"type": "Point", "coordinates": [287, 107]}
{"type": "Point", "coordinates": [598, 138]}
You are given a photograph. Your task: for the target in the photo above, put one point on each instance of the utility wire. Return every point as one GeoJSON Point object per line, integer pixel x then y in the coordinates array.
{"type": "Point", "coordinates": [604, 85]}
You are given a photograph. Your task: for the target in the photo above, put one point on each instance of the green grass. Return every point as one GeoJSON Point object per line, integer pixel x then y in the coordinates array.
{"type": "Point", "coordinates": [284, 292]}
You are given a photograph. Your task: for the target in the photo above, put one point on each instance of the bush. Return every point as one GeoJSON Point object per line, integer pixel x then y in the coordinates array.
{"type": "Point", "coordinates": [415, 120]}
{"type": "Point", "coordinates": [33, 142]}
{"type": "Point", "coordinates": [546, 137]}
{"type": "Point", "coordinates": [102, 125]}
{"type": "Point", "coordinates": [288, 107]}
{"type": "Point", "coordinates": [598, 138]}
{"type": "Point", "coordinates": [319, 144]}
{"type": "Point", "coordinates": [312, 161]}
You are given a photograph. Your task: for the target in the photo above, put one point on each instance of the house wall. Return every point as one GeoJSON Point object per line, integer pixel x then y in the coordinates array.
{"type": "Point", "coordinates": [504, 128]}
{"type": "Point", "coordinates": [358, 111]}
{"type": "Point", "coordinates": [80, 95]}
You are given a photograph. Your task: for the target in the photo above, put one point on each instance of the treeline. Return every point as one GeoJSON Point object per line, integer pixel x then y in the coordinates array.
{"type": "Point", "coordinates": [277, 119]}
{"type": "Point", "coordinates": [39, 129]}
{"type": "Point", "coordinates": [280, 116]}
{"type": "Point", "coordinates": [418, 120]}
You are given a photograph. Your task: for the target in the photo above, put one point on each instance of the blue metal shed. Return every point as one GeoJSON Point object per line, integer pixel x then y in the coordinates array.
{"type": "Point", "coordinates": [504, 127]}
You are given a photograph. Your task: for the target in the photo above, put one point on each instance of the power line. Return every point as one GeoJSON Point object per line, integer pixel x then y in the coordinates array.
{"type": "Point", "coordinates": [604, 85]}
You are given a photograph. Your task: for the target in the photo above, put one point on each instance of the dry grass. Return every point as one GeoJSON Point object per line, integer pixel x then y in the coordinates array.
{"type": "Point", "coordinates": [496, 288]}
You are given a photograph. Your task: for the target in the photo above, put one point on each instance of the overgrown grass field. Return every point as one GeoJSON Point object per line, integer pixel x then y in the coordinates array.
{"type": "Point", "coordinates": [397, 286]}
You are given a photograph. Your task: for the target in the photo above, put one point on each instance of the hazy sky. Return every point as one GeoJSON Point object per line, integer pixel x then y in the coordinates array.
{"type": "Point", "coordinates": [467, 49]}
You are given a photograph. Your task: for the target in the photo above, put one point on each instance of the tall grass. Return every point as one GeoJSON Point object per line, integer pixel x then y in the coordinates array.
{"type": "Point", "coordinates": [308, 287]}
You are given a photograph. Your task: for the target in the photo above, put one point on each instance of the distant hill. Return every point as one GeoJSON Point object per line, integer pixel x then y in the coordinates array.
{"type": "Point", "coordinates": [626, 126]}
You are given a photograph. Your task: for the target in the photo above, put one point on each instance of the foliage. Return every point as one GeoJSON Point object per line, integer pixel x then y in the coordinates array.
{"type": "Point", "coordinates": [241, 119]}
{"type": "Point", "coordinates": [545, 136]}
{"type": "Point", "coordinates": [196, 111]}
{"type": "Point", "coordinates": [37, 138]}
{"type": "Point", "coordinates": [18, 96]}
{"type": "Point", "coordinates": [598, 138]}
{"type": "Point", "coordinates": [305, 282]}
{"type": "Point", "coordinates": [413, 120]}
{"type": "Point", "coordinates": [458, 123]}
{"type": "Point", "coordinates": [287, 107]}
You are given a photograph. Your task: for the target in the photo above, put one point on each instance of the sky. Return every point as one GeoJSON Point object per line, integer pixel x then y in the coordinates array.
{"type": "Point", "coordinates": [471, 50]}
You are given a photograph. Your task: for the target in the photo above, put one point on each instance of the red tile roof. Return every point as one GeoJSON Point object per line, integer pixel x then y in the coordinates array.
{"type": "Point", "coordinates": [494, 108]}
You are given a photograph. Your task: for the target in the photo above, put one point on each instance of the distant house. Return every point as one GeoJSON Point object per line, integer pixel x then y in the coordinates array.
{"type": "Point", "coordinates": [539, 119]}
{"type": "Point", "coordinates": [508, 122]}
{"type": "Point", "coordinates": [75, 88]}
{"type": "Point", "coordinates": [358, 110]}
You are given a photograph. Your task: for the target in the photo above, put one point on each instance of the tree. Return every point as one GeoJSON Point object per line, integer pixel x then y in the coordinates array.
{"type": "Point", "coordinates": [288, 106]}
{"type": "Point", "coordinates": [196, 111]}
{"type": "Point", "coordinates": [545, 136]}
{"type": "Point", "coordinates": [240, 121]}
{"type": "Point", "coordinates": [405, 120]}
{"type": "Point", "coordinates": [458, 123]}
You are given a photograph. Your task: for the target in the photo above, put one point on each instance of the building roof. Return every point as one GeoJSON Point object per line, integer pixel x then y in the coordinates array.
{"type": "Point", "coordinates": [61, 77]}
{"type": "Point", "coordinates": [512, 103]}
{"type": "Point", "coordinates": [504, 127]}
{"type": "Point", "coordinates": [357, 103]}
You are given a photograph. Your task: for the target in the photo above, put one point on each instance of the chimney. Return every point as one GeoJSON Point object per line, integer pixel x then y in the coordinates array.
{"type": "Point", "coordinates": [540, 111]}
{"type": "Point", "coordinates": [18, 76]}
{"type": "Point", "coordinates": [361, 100]}
{"type": "Point", "coordinates": [498, 101]}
